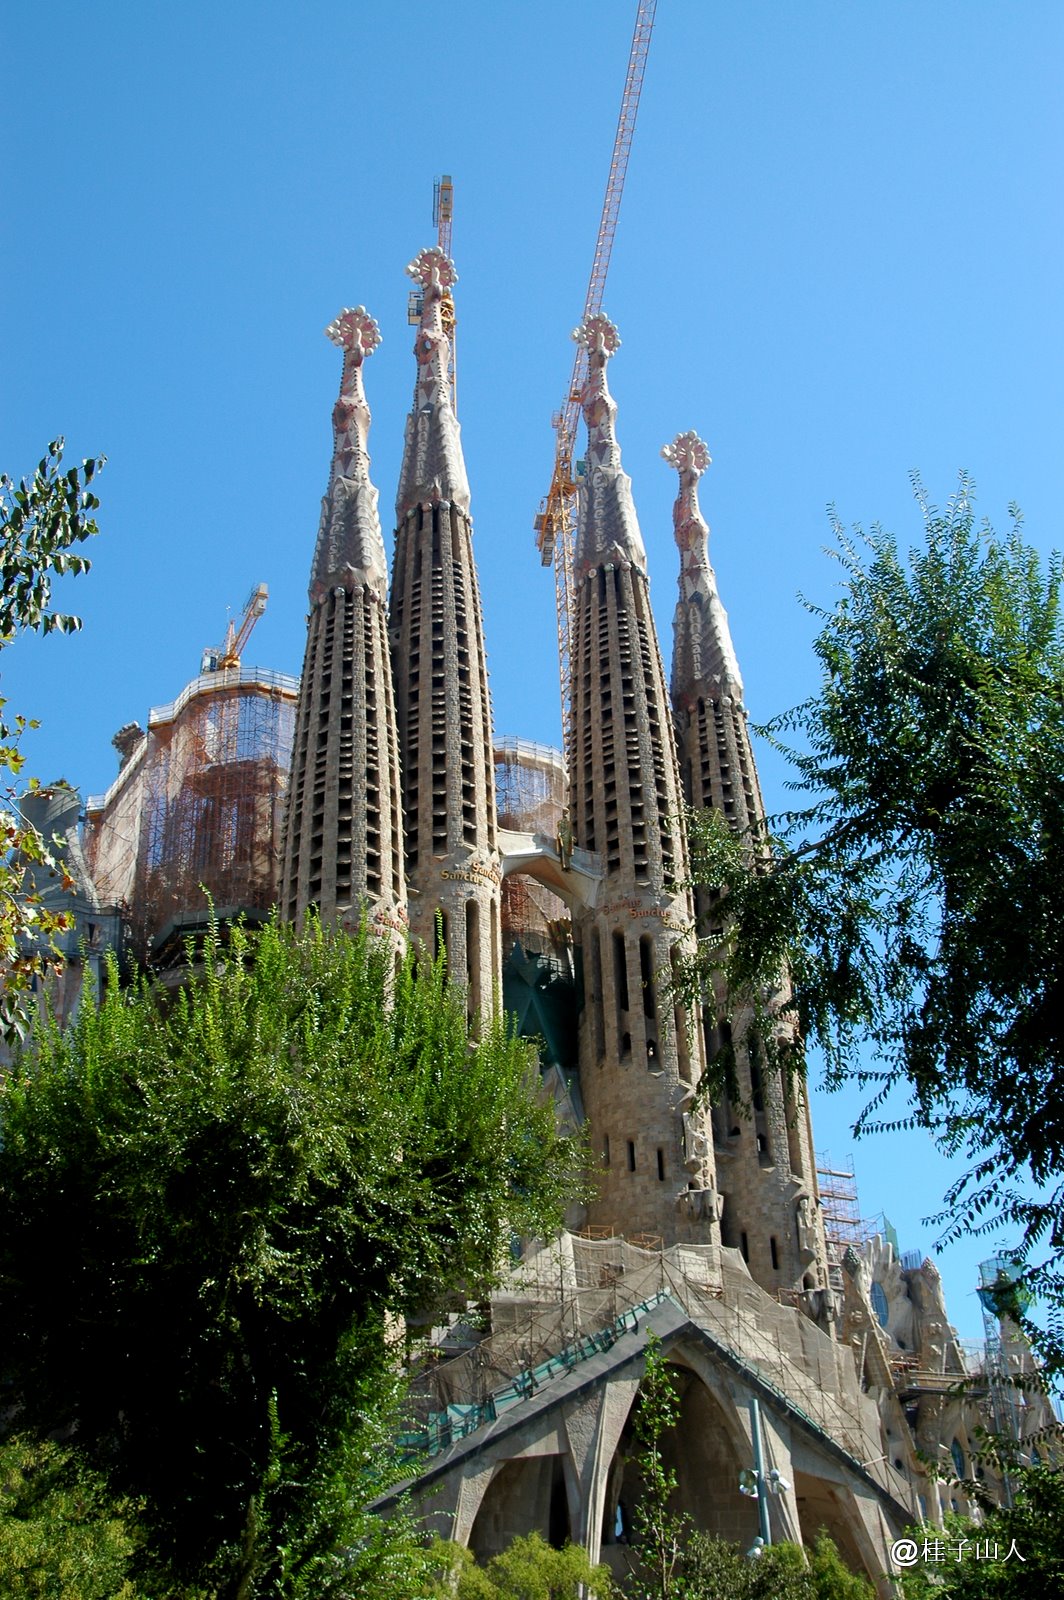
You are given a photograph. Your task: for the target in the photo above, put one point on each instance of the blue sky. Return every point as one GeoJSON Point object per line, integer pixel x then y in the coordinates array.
{"type": "Point", "coordinates": [839, 259]}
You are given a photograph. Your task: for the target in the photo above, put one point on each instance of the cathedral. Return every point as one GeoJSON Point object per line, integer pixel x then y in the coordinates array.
{"type": "Point", "coordinates": [392, 808]}
{"type": "Point", "coordinates": [377, 788]}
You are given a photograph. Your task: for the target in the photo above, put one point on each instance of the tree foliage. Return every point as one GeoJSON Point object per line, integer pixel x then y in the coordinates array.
{"type": "Point", "coordinates": [915, 898]}
{"type": "Point", "coordinates": [658, 1531]}
{"type": "Point", "coordinates": [62, 1535]}
{"type": "Point", "coordinates": [714, 1569]}
{"type": "Point", "coordinates": [42, 519]}
{"type": "Point", "coordinates": [219, 1205]}
{"type": "Point", "coordinates": [1013, 1552]}
{"type": "Point", "coordinates": [528, 1569]}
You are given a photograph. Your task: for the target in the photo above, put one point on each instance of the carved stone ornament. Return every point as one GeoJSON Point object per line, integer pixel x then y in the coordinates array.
{"type": "Point", "coordinates": [433, 269]}
{"type": "Point", "coordinates": [688, 453]}
{"type": "Point", "coordinates": [705, 1203]}
{"type": "Point", "coordinates": [355, 331]}
{"type": "Point", "coordinates": [695, 1141]}
{"type": "Point", "coordinates": [598, 335]}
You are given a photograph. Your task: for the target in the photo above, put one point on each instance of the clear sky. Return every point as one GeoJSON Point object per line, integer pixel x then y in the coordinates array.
{"type": "Point", "coordinates": [838, 259]}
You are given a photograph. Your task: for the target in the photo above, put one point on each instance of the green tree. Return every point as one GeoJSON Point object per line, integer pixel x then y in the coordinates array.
{"type": "Point", "coordinates": [713, 1569]}
{"type": "Point", "coordinates": [42, 519]}
{"type": "Point", "coordinates": [659, 1532]}
{"type": "Point", "coordinates": [62, 1535]}
{"type": "Point", "coordinates": [1012, 1553]}
{"type": "Point", "coordinates": [831, 1577]}
{"type": "Point", "coordinates": [916, 898]}
{"type": "Point", "coordinates": [219, 1206]}
{"type": "Point", "coordinates": [529, 1569]}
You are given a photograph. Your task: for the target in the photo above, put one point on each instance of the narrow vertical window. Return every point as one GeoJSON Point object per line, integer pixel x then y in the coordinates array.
{"type": "Point", "coordinates": [631, 1155]}
{"type": "Point", "coordinates": [646, 973]}
{"type": "Point", "coordinates": [473, 955]}
{"type": "Point", "coordinates": [620, 972]}
{"type": "Point", "coordinates": [596, 995]}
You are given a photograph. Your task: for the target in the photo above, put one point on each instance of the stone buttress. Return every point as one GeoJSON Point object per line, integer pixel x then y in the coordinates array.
{"type": "Point", "coordinates": [639, 1061]}
{"type": "Point", "coordinates": [766, 1168]}
{"type": "Point", "coordinates": [440, 669]}
{"type": "Point", "coordinates": [343, 846]}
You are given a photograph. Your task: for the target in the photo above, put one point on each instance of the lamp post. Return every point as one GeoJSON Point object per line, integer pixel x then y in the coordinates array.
{"type": "Point", "coordinates": [759, 1484]}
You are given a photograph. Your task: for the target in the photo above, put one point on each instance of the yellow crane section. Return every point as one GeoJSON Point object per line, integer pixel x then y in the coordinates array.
{"type": "Point", "coordinates": [236, 637]}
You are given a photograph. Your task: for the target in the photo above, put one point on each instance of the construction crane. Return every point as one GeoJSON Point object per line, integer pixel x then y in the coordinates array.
{"type": "Point", "coordinates": [443, 211]}
{"type": "Point", "coordinates": [555, 524]}
{"type": "Point", "coordinates": [442, 219]}
{"type": "Point", "coordinates": [228, 654]}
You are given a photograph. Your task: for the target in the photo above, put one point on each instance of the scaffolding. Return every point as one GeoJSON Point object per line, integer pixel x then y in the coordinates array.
{"type": "Point", "coordinates": [531, 793]}
{"type": "Point", "coordinates": [197, 809]}
{"type": "Point", "coordinates": [844, 1227]}
{"type": "Point", "coordinates": [575, 1297]}
{"type": "Point", "coordinates": [1009, 1364]}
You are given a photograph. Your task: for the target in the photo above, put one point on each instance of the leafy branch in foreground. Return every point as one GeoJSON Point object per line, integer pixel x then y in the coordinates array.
{"type": "Point", "coordinates": [916, 899]}
{"type": "Point", "coordinates": [42, 519]}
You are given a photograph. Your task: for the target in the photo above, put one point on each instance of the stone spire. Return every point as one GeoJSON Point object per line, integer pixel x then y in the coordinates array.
{"type": "Point", "coordinates": [765, 1165]}
{"type": "Point", "coordinates": [703, 651]}
{"type": "Point", "coordinates": [440, 670]}
{"type": "Point", "coordinates": [609, 528]}
{"type": "Point", "coordinates": [640, 1064]}
{"type": "Point", "coordinates": [433, 471]}
{"type": "Point", "coordinates": [350, 549]}
{"type": "Point", "coordinates": [343, 844]}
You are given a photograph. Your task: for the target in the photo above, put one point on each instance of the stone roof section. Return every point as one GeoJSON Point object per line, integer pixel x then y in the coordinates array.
{"type": "Point", "coordinates": [350, 550]}
{"type": "Point", "coordinates": [433, 471]}
{"type": "Point", "coordinates": [704, 657]}
{"type": "Point", "coordinates": [609, 528]}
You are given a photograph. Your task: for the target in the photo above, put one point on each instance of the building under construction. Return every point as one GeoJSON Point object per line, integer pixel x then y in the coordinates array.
{"type": "Point", "coordinates": [530, 789]}
{"type": "Point", "coordinates": [194, 816]}
{"type": "Point", "coordinates": [375, 791]}
{"type": "Point", "coordinates": [374, 788]}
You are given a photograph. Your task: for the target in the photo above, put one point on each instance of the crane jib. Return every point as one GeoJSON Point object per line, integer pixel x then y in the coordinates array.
{"type": "Point", "coordinates": [555, 523]}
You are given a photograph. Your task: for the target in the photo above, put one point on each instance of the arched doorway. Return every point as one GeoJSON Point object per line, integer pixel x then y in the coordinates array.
{"type": "Point", "coordinates": [704, 1451]}
{"type": "Point", "coordinates": [822, 1506]}
{"type": "Point", "coordinates": [525, 1496]}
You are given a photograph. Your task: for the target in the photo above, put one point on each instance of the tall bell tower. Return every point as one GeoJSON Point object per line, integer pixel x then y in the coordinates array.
{"type": "Point", "coordinates": [440, 669]}
{"type": "Point", "coordinates": [640, 1063]}
{"type": "Point", "coordinates": [343, 843]}
{"type": "Point", "coordinates": [764, 1145]}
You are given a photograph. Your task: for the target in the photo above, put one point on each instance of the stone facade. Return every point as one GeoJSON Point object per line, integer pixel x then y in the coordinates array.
{"type": "Point", "coordinates": [640, 1063]}
{"type": "Point", "coordinates": [766, 1168]}
{"type": "Point", "coordinates": [343, 847]}
{"type": "Point", "coordinates": [937, 1400]}
{"type": "Point", "coordinates": [555, 1450]}
{"type": "Point", "coordinates": [454, 871]}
